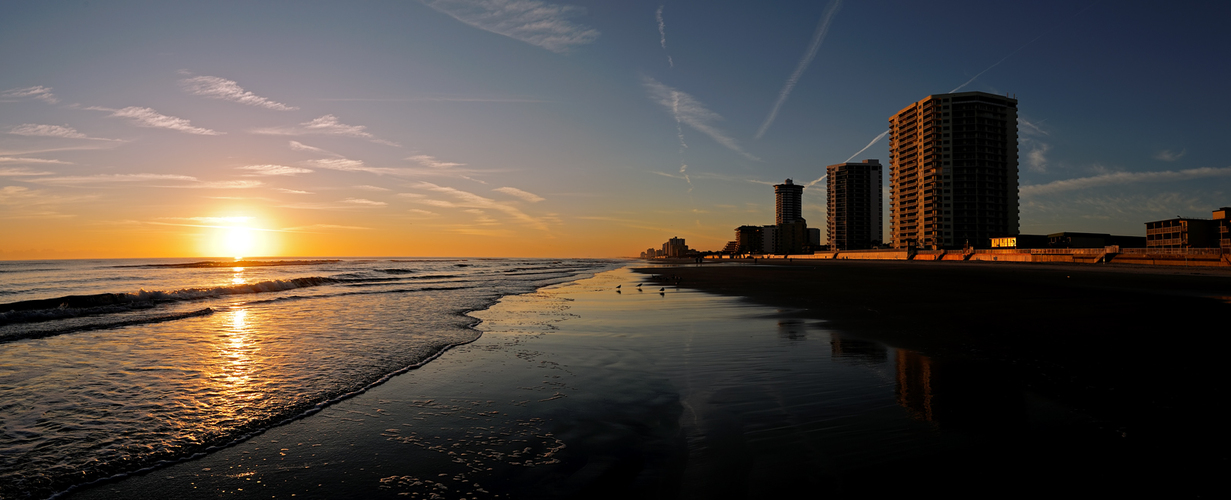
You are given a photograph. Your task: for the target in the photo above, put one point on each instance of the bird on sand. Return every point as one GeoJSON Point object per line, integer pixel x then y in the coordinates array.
{"type": "Point", "coordinates": [662, 289]}
{"type": "Point", "coordinates": [618, 287]}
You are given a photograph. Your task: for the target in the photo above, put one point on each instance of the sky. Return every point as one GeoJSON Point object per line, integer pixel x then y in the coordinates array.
{"type": "Point", "coordinates": [568, 129]}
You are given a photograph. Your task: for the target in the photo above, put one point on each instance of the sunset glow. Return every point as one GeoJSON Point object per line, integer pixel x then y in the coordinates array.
{"type": "Point", "coordinates": [462, 128]}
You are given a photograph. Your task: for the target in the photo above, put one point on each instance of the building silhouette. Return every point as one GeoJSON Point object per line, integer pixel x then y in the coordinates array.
{"type": "Point", "coordinates": [789, 202]}
{"type": "Point", "coordinates": [791, 234]}
{"type": "Point", "coordinates": [854, 202]}
{"type": "Point", "coordinates": [953, 171]}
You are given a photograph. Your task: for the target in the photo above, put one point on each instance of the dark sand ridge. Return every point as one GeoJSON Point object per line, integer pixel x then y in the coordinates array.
{"type": "Point", "coordinates": [1142, 350]}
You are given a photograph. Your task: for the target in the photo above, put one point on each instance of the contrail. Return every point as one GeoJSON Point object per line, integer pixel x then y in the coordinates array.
{"type": "Point", "coordinates": [821, 30]}
{"type": "Point", "coordinates": [865, 148]}
{"type": "Point", "coordinates": [1019, 49]}
{"type": "Point", "coordinates": [662, 34]}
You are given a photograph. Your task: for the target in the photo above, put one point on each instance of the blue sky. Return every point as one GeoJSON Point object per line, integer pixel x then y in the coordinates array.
{"type": "Point", "coordinates": [568, 128]}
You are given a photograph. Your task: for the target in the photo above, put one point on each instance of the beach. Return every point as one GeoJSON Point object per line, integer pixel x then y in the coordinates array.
{"type": "Point", "coordinates": [838, 380]}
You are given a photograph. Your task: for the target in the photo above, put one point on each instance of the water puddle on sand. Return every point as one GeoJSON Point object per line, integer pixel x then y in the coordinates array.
{"type": "Point", "coordinates": [588, 390]}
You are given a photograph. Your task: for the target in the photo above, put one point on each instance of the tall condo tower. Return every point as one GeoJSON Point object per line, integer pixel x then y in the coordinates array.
{"type": "Point", "coordinates": [789, 202]}
{"type": "Point", "coordinates": [854, 202]}
{"type": "Point", "coordinates": [953, 171]}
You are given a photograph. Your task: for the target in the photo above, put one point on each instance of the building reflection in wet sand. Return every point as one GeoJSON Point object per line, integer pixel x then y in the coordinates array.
{"type": "Point", "coordinates": [957, 393]}
{"type": "Point", "coordinates": [857, 349]}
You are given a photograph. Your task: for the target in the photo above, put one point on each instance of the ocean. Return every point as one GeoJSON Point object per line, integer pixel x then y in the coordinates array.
{"type": "Point", "coordinates": [108, 367]}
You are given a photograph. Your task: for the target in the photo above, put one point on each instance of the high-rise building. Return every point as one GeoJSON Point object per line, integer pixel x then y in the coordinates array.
{"type": "Point", "coordinates": [854, 202]}
{"type": "Point", "coordinates": [953, 171]}
{"type": "Point", "coordinates": [789, 202]}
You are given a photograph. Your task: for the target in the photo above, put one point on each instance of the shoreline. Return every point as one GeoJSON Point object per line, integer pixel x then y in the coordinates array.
{"type": "Point", "coordinates": [584, 390]}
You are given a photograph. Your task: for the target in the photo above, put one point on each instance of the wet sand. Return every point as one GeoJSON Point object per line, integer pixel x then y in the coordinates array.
{"type": "Point", "coordinates": [818, 384]}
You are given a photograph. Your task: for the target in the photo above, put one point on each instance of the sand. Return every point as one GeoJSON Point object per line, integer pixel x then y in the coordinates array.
{"type": "Point", "coordinates": [845, 380]}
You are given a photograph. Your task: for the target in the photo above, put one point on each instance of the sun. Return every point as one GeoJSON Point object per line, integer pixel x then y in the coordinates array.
{"type": "Point", "coordinates": [238, 241]}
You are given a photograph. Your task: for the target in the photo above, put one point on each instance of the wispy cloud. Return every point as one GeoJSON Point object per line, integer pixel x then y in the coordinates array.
{"type": "Point", "coordinates": [31, 161]}
{"type": "Point", "coordinates": [865, 148]}
{"type": "Point", "coordinates": [531, 21]}
{"type": "Point", "coordinates": [325, 226]}
{"type": "Point", "coordinates": [147, 117]}
{"type": "Point", "coordinates": [348, 165]}
{"type": "Point", "coordinates": [292, 191]}
{"type": "Point", "coordinates": [1169, 155]}
{"type": "Point", "coordinates": [688, 110]}
{"type": "Point", "coordinates": [64, 132]}
{"type": "Point", "coordinates": [662, 33]}
{"type": "Point", "coordinates": [157, 180]}
{"type": "Point", "coordinates": [299, 146]}
{"type": "Point", "coordinates": [37, 92]}
{"type": "Point", "coordinates": [1122, 178]}
{"type": "Point", "coordinates": [273, 170]}
{"type": "Point", "coordinates": [431, 161]}
{"type": "Point", "coordinates": [464, 199]}
{"type": "Point", "coordinates": [21, 172]}
{"type": "Point", "coordinates": [364, 202]}
{"type": "Point", "coordinates": [525, 195]}
{"type": "Point", "coordinates": [1030, 140]}
{"type": "Point", "coordinates": [822, 28]}
{"type": "Point", "coordinates": [220, 88]}
{"type": "Point", "coordinates": [325, 125]}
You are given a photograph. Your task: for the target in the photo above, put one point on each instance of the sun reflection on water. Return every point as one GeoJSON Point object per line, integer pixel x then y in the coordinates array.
{"type": "Point", "coordinates": [237, 276]}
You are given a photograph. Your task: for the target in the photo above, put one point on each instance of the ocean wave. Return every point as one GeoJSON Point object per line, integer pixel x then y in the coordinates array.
{"type": "Point", "coordinates": [35, 334]}
{"type": "Point", "coordinates": [71, 306]}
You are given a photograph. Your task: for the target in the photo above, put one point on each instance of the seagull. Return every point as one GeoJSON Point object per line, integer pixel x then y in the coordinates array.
{"type": "Point", "coordinates": [638, 285]}
{"type": "Point", "coordinates": [618, 287]}
{"type": "Point", "coordinates": [662, 289]}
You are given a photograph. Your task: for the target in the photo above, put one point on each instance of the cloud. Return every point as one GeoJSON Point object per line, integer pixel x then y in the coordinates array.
{"type": "Point", "coordinates": [227, 90]}
{"type": "Point", "coordinates": [662, 34]}
{"type": "Point", "coordinates": [1169, 155]}
{"type": "Point", "coordinates": [463, 199]}
{"type": "Point", "coordinates": [531, 21]}
{"type": "Point", "coordinates": [688, 110]}
{"type": "Point", "coordinates": [511, 191]}
{"type": "Point", "coordinates": [419, 211]}
{"type": "Point", "coordinates": [431, 161]}
{"type": "Point", "coordinates": [366, 187]}
{"type": "Point", "coordinates": [865, 148]}
{"type": "Point", "coordinates": [299, 146]}
{"type": "Point", "coordinates": [38, 92]}
{"type": "Point", "coordinates": [274, 170]}
{"type": "Point", "coordinates": [822, 28]}
{"type": "Point", "coordinates": [146, 117]}
{"type": "Point", "coordinates": [325, 125]}
{"type": "Point", "coordinates": [6, 159]}
{"type": "Point", "coordinates": [192, 182]}
{"type": "Point", "coordinates": [293, 191]}
{"type": "Point", "coordinates": [662, 27]}
{"type": "Point", "coordinates": [20, 172]}
{"type": "Point", "coordinates": [1030, 140]}
{"type": "Point", "coordinates": [348, 165]}
{"type": "Point", "coordinates": [364, 202]}
{"type": "Point", "coordinates": [32, 130]}
{"type": "Point", "coordinates": [1122, 178]}
{"type": "Point", "coordinates": [326, 226]}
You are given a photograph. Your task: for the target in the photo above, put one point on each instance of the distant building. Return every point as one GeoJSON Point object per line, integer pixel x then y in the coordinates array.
{"type": "Point", "coordinates": [769, 239]}
{"type": "Point", "coordinates": [814, 237]}
{"type": "Point", "coordinates": [953, 171]}
{"type": "Point", "coordinates": [675, 247]}
{"type": "Point", "coordinates": [1222, 217]}
{"type": "Point", "coordinates": [1020, 241]}
{"type": "Point", "coordinates": [748, 239]}
{"type": "Point", "coordinates": [1183, 232]}
{"type": "Point", "coordinates": [1093, 240]}
{"type": "Point", "coordinates": [854, 202]}
{"type": "Point", "coordinates": [789, 203]}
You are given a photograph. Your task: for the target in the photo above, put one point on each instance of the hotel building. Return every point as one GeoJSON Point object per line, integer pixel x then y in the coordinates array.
{"type": "Point", "coordinates": [854, 203]}
{"type": "Point", "coordinates": [953, 171]}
